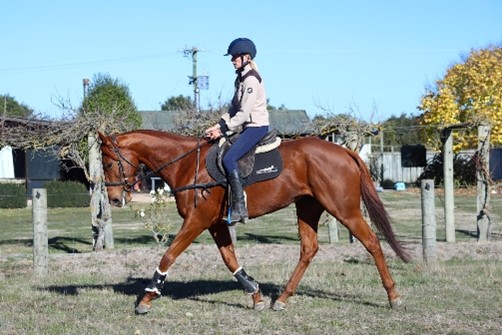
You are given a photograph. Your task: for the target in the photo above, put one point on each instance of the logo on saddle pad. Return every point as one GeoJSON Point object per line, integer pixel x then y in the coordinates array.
{"type": "Point", "coordinates": [269, 169]}
{"type": "Point", "coordinates": [262, 163]}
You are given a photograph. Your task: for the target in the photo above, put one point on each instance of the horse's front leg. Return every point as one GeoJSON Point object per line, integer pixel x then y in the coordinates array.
{"type": "Point", "coordinates": [222, 238]}
{"type": "Point", "coordinates": [190, 229]}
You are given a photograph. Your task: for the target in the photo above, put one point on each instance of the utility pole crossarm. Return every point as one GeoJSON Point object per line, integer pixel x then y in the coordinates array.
{"type": "Point", "coordinates": [192, 52]}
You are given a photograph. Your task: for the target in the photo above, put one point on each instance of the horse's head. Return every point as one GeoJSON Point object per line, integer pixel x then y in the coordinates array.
{"type": "Point", "coordinates": [120, 167]}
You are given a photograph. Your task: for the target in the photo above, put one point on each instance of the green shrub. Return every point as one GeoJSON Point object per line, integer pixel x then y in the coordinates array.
{"type": "Point", "coordinates": [67, 194]}
{"type": "Point", "coordinates": [12, 196]}
{"type": "Point", "coordinates": [464, 171]}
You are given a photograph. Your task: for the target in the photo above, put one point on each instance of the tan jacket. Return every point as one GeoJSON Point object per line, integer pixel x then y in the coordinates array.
{"type": "Point", "coordinates": [249, 104]}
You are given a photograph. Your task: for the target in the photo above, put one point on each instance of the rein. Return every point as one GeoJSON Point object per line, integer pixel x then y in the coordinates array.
{"type": "Point", "coordinates": [128, 185]}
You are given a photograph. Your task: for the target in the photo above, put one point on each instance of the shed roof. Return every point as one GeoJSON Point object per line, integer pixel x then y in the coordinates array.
{"type": "Point", "coordinates": [287, 122]}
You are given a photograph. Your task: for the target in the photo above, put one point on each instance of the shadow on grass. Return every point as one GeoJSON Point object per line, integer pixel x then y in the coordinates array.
{"type": "Point", "coordinates": [63, 244]}
{"type": "Point", "coordinates": [196, 290]}
{"type": "Point", "coordinates": [139, 240]}
{"type": "Point", "coordinates": [469, 233]}
{"type": "Point", "coordinates": [246, 237]}
{"type": "Point", "coordinates": [59, 243]}
{"type": "Point", "coordinates": [267, 239]}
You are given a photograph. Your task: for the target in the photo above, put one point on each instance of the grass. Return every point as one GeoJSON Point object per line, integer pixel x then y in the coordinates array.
{"type": "Point", "coordinates": [70, 231]}
{"type": "Point", "coordinates": [457, 297]}
{"type": "Point", "coordinates": [94, 293]}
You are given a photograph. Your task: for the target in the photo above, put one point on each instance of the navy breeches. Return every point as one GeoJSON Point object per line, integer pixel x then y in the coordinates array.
{"type": "Point", "coordinates": [246, 141]}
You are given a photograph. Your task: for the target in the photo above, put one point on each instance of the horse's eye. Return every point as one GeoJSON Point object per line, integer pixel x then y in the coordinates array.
{"type": "Point", "coordinates": [108, 166]}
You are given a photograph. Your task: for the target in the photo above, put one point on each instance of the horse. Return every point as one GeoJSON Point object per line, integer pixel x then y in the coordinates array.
{"type": "Point", "coordinates": [317, 176]}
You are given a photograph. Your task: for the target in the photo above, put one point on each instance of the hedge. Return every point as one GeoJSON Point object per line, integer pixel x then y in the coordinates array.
{"type": "Point", "coordinates": [67, 194]}
{"type": "Point", "coordinates": [12, 196]}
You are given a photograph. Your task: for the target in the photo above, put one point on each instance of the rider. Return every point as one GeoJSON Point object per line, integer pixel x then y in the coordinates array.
{"type": "Point", "coordinates": [248, 112]}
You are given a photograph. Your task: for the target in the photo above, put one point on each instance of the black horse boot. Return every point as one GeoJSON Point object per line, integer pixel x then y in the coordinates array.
{"type": "Point", "coordinates": [239, 211]}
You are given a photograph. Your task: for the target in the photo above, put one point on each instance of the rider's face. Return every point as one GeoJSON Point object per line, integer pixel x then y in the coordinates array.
{"type": "Point", "coordinates": [237, 60]}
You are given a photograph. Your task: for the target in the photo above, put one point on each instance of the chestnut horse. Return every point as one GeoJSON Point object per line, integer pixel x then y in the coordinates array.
{"type": "Point", "coordinates": [317, 176]}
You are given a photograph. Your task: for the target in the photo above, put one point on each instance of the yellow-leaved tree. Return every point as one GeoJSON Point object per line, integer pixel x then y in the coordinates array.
{"type": "Point", "coordinates": [470, 92]}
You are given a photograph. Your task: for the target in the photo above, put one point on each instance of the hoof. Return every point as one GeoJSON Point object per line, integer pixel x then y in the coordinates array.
{"type": "Point", "coordinates": [142, 309]}
{"type": "Point", "coordinates": [278, 306]}
{"type": "Point", "coordinates": [260, 305]}
{"type": "Point", "coordinates": [396, 304]}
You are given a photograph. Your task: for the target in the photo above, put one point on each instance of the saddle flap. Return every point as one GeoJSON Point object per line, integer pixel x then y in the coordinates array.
{"type": "Point", "coordinates": [258, 166]}
{"type": "Point", "coordinates": [246, 163]}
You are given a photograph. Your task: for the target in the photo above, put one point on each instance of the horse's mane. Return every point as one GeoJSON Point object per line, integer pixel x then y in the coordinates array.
{"type": "Point", "coordinates": [159, 134]}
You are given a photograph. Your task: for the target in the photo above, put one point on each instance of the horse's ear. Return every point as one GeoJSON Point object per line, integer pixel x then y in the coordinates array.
{"type": "Point", "coordinates": [106, 145]}
{"type": "Point", "coordinates": [104, 139]}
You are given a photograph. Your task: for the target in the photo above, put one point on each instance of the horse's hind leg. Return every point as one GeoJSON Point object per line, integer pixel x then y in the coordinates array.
{"type": "Point", "coordinates": [362, 231]}
{"type": "Point", "coordinates": [222, 238]}
{"type": "Point", "coordinates": [308, 211]}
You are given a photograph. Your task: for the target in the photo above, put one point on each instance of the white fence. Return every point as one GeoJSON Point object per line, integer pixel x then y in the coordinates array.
{"type": "Point", "coordinates": [391, 162]}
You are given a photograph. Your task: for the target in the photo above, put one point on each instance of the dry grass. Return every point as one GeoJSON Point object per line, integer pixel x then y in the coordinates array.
{"type": "Point", "coordinates": [340, 294]}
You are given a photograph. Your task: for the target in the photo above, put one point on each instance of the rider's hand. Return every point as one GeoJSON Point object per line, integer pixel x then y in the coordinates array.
{"type": "Point", "coordinates": [213, 133]}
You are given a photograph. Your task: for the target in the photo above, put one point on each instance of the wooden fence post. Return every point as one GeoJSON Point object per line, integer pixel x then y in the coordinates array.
{"type": "Point", "coordinates": [483, 186]}
{"type": "Point", "coordinates": [101, 214]}
{"type": "Point", "coordinates": [448, 185]}
{"type": "Point", "coordinates": [333, 230]}
{"type": "Point", "coordinates": [40, 235]}
{"type": "Point", "coordinates": [428, 221]}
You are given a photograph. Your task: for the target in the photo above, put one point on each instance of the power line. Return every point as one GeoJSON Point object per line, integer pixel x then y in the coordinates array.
{"type": "Point", "coordinates": [39, 68]}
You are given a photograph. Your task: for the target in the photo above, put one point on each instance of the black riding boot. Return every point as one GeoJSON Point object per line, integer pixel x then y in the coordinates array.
{"type": "Point", "coordinates": [239, 210]}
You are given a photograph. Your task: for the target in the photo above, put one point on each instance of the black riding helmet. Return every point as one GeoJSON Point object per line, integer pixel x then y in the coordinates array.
{"type": "Point", "coordinates": [241, 46]}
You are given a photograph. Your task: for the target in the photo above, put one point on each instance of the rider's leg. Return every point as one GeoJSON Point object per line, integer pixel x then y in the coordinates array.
{"type": "Point", "coordinates": [239, 210]}
{"type": "Point", "coordinates": [246, 141]}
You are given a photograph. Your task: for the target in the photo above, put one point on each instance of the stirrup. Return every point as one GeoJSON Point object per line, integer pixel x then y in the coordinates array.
{"type": "Point", "coordinates": [230, 222]}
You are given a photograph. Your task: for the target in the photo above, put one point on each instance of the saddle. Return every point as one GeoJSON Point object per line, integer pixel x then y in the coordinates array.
{"type": "Point", "coordinates": [261, 163]}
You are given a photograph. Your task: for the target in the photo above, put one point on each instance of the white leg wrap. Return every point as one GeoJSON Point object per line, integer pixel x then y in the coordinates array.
{"type": "Point", "coordinates": [161, 273]}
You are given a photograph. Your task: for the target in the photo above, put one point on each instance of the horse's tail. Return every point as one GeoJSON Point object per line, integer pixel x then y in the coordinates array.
{"type": "Point", "coordinates": [376, 210]}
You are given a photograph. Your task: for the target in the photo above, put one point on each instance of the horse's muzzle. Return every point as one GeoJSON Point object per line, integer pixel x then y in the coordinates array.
{"type": "Point", "coordinates": [120, 200]}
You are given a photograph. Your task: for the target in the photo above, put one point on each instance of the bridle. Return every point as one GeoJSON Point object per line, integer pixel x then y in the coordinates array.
{"type": "Point", "coordinates": [128, 185]}
{"type": "Point", "coordinates": [125, 183]}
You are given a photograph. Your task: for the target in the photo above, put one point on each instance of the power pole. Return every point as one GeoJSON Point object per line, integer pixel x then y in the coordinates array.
{"type": "Point", "coordinates": [198, 82]}
{"type": "Point", "coordinates": [193, 78]}
{"type": "Point", "coordinates": [86, 82]}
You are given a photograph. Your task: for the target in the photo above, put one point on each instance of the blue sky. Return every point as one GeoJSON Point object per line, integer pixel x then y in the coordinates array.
{"type": "Point", "coordinates": [372, 57]}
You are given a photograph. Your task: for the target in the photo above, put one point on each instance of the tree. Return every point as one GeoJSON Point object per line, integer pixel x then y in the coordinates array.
{"type": "Point", "coordinates": [107, 107]}
{"type": "Point", "coordinates": [108, 96]}
{"type": "Point", "coordinates": [400, 130]}
{"type": "Point", "coordinates": [108, 100]}
{"type": "Point", "coordinates": [470, 92]}
{"type": "Point", "coordinates": [272, 107]}
{"type": "Point", "coordinates": [351, 130]}
{"type": "Point", "coordinates": [10, 107]}
{"type": "Point", "coordinates": [179, 103]}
